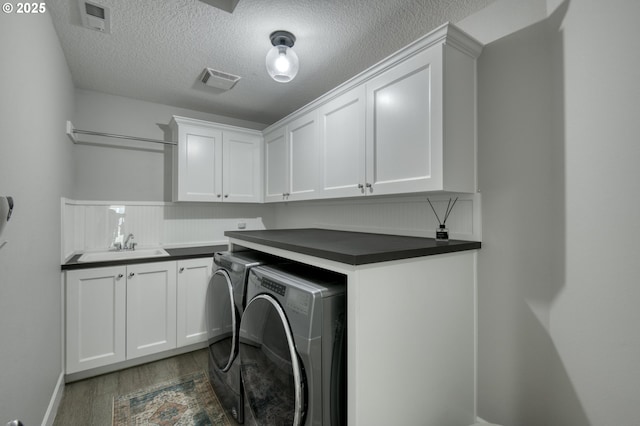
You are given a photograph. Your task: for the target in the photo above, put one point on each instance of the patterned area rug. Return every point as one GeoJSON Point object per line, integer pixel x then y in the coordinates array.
{"type": "Point", "coordinates": [188, 400]}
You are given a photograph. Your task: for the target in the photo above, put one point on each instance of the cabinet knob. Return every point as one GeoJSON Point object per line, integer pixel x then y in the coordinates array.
{"type": "Point", "coordinates": [368, 185]}
{"type": "Point", "coordinates": [218, 195]}
{"type": "Point", "coordinates": [226, 195]}
{"type": "Point", "coordinates": [131, 274]}
{"type": "Point", "coordinates": [181, 270]}
{"type": "Point", "coordinates": [120, 276]}
{"type": "Point", "coordinates": [360, 186]}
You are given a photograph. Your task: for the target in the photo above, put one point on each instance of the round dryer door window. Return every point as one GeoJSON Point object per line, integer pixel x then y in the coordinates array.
{"type": "Point", "coordinates": [222, 320]}
{"type": "Point", "coordinates": [272, 373]}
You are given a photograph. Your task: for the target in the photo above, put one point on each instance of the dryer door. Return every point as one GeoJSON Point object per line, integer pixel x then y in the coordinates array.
{"type": "Point", "coordinates": [222, 320]}
{"type": "Point", "coordinates": [272, 374]}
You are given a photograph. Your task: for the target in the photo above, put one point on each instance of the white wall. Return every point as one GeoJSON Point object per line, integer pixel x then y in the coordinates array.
{"type": "Point", "coordinates": [113, 169]}
{"type": "Point", "coordinates": [558, 170]}
{"type": "Point", "coordinates": [595, 316]}
{"type": "Point", "coordinates": [36, 97]}
{"type": "Point", "coordinates": [520, 178]}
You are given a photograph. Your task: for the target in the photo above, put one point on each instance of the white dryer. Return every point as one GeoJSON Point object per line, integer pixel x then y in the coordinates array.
{"type": "Point", "coordinates": [293, 346]}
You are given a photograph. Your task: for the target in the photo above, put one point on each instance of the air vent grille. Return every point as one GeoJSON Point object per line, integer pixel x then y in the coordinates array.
{"type": "Point", "coordinates": [94, 10]}
{"type": "Point", "coordinates": [95, 16]}
{"type": "Point", "coordinates": [219, 79]}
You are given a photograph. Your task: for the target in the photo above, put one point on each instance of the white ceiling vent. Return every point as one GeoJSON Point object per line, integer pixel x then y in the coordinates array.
{"type": "Point", "coordinates": [226, 5]}
{"type": "Point", "coordinates": [95, 16]}
{"type": "Point", "coordinates": [219, 79]}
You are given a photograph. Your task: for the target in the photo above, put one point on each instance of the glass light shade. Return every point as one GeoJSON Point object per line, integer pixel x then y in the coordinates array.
{"type": "Point", "coordinates": [282, 63]}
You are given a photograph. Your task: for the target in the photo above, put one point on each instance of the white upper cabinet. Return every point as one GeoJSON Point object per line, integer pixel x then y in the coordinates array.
{"type": "Point", "coordinates": [242, 167]}
{"type": "Point", "coordinates": [197, 162]}
{"type": "Point", "coordinates": [302, 144]}
{"type": "Point", "coordinates": [276, 180]}
{"type": "Point", "coordinates": [215, 162]}
{"type": "Point", "coordinates": [406, 125]}
{"type": "Point", "coordinates": [342, 145]}
{"type": "Point", "coordinates": [403, 136]}
{"type": "Point", "coordinates": [421, 119]}
{"type": "Point", "coordinates": [291, 158]}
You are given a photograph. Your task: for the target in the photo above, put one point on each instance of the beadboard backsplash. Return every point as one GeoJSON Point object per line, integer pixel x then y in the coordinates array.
{"type": "Point", "coordinates": [408, 215]}
{"type": "Point", "coordinates": [96, 225]}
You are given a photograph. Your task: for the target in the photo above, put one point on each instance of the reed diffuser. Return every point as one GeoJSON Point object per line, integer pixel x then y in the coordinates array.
{"type": "Point", "coordinates": [442, 233]}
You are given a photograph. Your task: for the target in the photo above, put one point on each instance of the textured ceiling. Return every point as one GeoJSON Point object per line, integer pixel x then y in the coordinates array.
{"type": "Point", "coordinates": [157, 49]}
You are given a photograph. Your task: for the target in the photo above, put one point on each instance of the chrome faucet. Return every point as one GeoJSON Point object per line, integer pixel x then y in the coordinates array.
{"type": "Point", "coordinates": [125, 246]}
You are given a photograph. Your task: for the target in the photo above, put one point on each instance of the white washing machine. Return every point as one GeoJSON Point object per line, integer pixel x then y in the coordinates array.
{"type": "Point", "coordinates": [224, 307]}
{"type": "Point", "coordinates": [293, 346]}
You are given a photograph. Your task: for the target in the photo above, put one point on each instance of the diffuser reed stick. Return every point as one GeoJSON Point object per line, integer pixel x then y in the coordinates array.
{"type": "Point", "coordinates": [442, 233]}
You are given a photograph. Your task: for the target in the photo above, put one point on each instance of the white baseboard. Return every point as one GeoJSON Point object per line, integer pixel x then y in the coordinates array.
{"type": "Point", "coordinates": [54, 403]}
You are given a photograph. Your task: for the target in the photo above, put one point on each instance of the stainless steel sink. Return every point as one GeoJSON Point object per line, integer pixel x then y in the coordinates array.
{"type": "Point", "coordinates": [105, 256]}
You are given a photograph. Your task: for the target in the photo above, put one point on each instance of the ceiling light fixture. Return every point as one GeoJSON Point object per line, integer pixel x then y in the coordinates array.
{"type": "Point", "coordinates": [282, 61]}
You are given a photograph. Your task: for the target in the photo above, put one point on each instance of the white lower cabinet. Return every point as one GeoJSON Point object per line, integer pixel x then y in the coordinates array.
{"type": "Point", "coordinates": [193, 280]}
{"type": "Point", "coordinates": [151, 308]}
{"type": "Point", "coordinates": [120, 313]}
{"type": "Point", "coordinates": [96, 314]}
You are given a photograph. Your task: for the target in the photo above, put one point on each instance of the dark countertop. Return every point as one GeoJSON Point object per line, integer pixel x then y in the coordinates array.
{"type": "Point", "coordinates": [353, 248]}
{"type": "Point", "coordinates": [174, 254]}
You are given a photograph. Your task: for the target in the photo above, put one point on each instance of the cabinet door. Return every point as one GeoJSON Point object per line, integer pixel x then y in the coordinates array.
{"type": "Point", "coordinates": [303, 165]}
{"type": "Point", "coordinates": [276, 166]}
{"type": "Point", "coordinates": [95, 328]}
{"type": "Point", "coordinates": [151, 308]}
{"type": "Point", "coordinates": [404, 126]}
{"type": "Point", "coordinates": [199, 164]}
{"type": "Point", "coordinates": [241, 167]}
{"type": "Point", "coordinates": [193, 279]}
{"type": "Point", "coordinates": [342, 145]}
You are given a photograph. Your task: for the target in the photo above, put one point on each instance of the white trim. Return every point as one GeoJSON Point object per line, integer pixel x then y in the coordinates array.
{"type": "Point", "coordinates": [179, 120]}
{"type": "Point", "coordinates": [71, 202]}
{"type": "Point", "coordinates": [54, 403]}
{"type": "Point", "coordinates": [475, 336]}
{"type": "Point", "coordinates": [80, 375]}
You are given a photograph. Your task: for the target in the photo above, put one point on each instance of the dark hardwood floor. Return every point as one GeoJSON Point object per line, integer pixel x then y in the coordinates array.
{"type": "Point", "coordinates": [89, 402]}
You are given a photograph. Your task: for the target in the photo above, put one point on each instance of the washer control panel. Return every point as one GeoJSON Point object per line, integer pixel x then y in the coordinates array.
{"type": "Point", "coordinates": [273, 286]}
